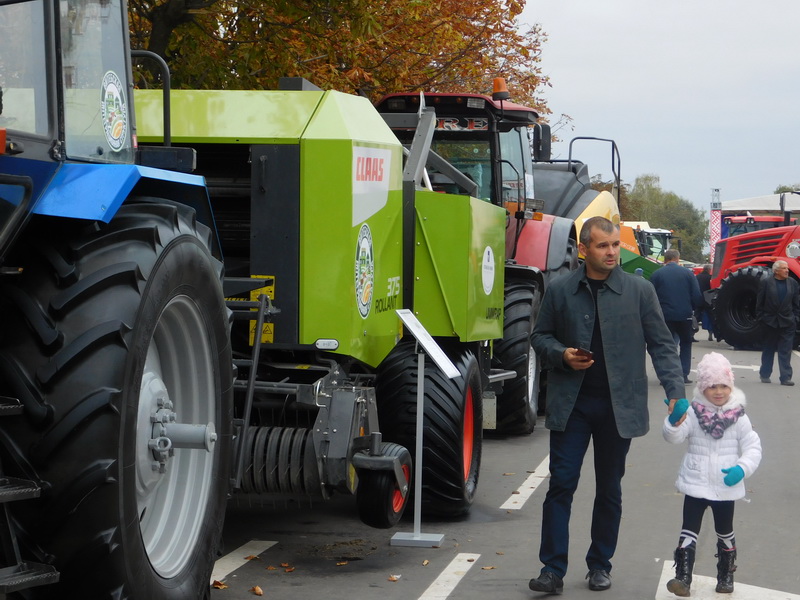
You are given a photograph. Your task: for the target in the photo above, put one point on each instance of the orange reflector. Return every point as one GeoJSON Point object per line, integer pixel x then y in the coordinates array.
{"type": "Point", "coordinates": [2, 140]}
{"type": "Point", "coordinates": [537, 216]}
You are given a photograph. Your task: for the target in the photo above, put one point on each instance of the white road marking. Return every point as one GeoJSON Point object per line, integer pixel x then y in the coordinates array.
{"type": "Point", "coordinates": [447, 581]}
{"type": "Point", "coordinates": [524, 492]}
{"type": "Point", "coordinates": [751, 367]}
{"type": "Point", "coordinates": [703, 588]}
{"type": "Point", "coordinates": [232, 561]}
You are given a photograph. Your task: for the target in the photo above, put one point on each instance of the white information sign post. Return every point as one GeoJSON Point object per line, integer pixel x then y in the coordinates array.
{"type": "Point", "coordinates": [425, 344]}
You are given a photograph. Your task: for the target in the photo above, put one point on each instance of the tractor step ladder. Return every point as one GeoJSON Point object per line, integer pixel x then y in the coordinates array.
{"type": "Point", "coordinates": [18, 574]}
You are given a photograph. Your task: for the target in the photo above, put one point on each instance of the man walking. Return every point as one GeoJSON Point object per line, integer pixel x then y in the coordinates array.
{"type": "Point", "coordinates": [592, 332]}
{"type": "Point", "coordinates": [777, 310]}
{"type": "Point", "coordinates": [679, 296]}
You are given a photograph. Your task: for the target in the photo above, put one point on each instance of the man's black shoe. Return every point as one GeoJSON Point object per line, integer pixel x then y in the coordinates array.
{"type": "Point", "coordinates": [547, 582]}
{"type": "Point", "coordinates": [599, 580]}
{"type": "Point", "coordinates": [686, 380]}
{"type": "Point", "coordinates": [787, 382]}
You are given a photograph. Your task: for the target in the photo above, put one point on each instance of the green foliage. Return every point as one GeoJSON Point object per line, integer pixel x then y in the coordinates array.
{"type": "Point", "coordinates": [786, 188]}
{"type": "Point", "coordinates": [666, 210]}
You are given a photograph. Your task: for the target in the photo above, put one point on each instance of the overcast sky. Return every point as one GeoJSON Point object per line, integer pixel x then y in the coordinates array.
{"type": "Point", "coordinates": [703, 93]}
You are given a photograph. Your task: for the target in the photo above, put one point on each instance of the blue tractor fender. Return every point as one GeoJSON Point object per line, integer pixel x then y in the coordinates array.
{"type": "Point", "coordinates": [96, 191]}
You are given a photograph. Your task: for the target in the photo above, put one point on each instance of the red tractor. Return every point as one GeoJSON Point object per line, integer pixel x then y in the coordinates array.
{"type": "Point", "coordinates": [740, 263]}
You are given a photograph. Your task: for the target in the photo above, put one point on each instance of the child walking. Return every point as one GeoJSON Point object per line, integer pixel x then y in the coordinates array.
{"type": "Point", "coordinates": [723, 450]}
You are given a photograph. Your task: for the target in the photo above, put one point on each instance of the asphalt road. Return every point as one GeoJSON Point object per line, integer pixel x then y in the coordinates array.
{"type": "Point", "coordinates": [324, 550]}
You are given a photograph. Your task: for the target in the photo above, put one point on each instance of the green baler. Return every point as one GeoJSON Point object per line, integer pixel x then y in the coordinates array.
{"type": "Point", "coordinates": [315, 219]}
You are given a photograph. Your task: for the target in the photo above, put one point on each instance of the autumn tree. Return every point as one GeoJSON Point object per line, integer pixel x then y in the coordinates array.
{"type": "Point", "coordinates": [360, 46]}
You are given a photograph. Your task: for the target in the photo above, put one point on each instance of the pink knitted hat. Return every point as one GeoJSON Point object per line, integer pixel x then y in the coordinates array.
{"type": "Point", "coordinates": [713, 369]}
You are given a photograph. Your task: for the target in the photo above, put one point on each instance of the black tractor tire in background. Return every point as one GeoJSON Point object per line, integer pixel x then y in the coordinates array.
{"type": "Point", "coordinates": [734, 308]}
{"type": "Point", "coordinates": [380, 500]}
{"type": "Point", "coordinates": [518, 402]}
{"type": "Point", "coordinates": [108, 327]}
{"type": "Point", "coordinates": [453, 423]}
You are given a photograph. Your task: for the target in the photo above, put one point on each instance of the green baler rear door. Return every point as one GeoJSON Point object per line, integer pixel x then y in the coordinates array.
{"type": "Point", "coordinates": [458, 287]}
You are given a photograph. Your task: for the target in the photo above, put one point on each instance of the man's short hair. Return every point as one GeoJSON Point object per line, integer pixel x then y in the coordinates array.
{"type": "Point", "coordinates": [778, 264]}
{"type": "Point", "coordinates": [706, 268]}
{"type": "Point", "coordinates": [671, 255]}
{"type": "Point", "coordinates": [601, 223]}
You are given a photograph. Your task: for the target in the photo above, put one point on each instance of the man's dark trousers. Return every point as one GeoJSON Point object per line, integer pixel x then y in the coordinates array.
{"type": "Point", "coordinates": [682, 334]}
{"type": "Point", "coordinates": [780, 340]}
{"type": "Point", "coordinates": [592, 418]}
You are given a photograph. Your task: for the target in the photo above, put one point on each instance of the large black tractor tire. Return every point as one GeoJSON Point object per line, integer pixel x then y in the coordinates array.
{"type": "Point", "coordinates": [453, 424]}
{"type": "Point", "coordinates": [518, 402]}
{"type": "Point", "coordinates": [108, 329]}
{"type": "Point", "coordinates": [380, 500]}
{"type": "Point", "coordinates": [734, 308]}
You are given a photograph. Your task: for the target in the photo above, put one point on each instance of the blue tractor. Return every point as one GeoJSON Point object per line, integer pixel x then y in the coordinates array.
{"type": "Point", "coordinates": [116, 373]}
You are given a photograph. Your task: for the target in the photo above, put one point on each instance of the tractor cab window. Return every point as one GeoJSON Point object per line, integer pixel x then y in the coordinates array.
{"type": "Point", "coordinates": [97, 113]}
{"type": "Point", "coordinates": [472, 157]}
{"type": "Point", "coordinates": [23, 79]}
{"type": "Point", "coordinates": [517, 179]}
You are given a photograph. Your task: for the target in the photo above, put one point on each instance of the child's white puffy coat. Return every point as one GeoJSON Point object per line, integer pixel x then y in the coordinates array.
{"type": "Point", "coordinates": [701, 473]}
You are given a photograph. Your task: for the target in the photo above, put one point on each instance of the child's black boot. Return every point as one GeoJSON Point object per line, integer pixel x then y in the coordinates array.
{"type": "Point", "coordinates": [726, 565]}
{"type": "Point", "coordinates": [684, 563]}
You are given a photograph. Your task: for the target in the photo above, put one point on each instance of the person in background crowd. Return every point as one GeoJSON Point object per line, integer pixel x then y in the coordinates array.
{"type": "Point", "coordinates": [679, 296]}
{"type": "Point", "coordinates": [777, 310]}
{"type": "Point", "coordinates": [723, 449]}
{"type": "Point", "coordinates": [704, 312]}
{"type": "Point", "coordinates": [592, 332]}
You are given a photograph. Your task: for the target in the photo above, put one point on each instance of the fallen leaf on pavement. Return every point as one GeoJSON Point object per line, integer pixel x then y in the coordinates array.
{"type": "Point", "coordinates": [257, 591]}
{"type": "Point", "coordinates": [426, 562]}
{"type": "Point", "coordinates": [251, 557]}
{"type": "Point", "coordinates": [218, 585]}
{"type": "Point", "coordinates": [488, 568]}
{"type": "Point", "coordinates": [394, 577]}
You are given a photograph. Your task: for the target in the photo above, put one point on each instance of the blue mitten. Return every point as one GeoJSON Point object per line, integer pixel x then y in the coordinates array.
{"type": "Point", "coordinates": [733, 475]}
{"type": "Point", "coordinates": [680, 408]}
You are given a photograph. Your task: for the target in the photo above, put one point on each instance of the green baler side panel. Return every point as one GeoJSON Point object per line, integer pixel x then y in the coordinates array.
{"type": "Point", "coordinates": [458, 287]}
{"type": "Point", "coordinates": [351, 219]}
{"type": "Point", "coordinates": [226, 116]}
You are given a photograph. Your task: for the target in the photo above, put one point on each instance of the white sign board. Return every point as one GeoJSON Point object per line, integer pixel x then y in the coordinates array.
{"type": "Point", "coordinates": [428, 343]}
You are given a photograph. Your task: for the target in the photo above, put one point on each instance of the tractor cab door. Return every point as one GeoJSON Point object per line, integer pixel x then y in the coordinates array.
{"type": "Point", "coordinates": [65, 80]}
{"type": "Point", "coordinates": [95, 90]}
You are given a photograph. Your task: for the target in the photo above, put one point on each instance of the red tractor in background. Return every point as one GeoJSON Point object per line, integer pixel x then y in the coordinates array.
{"type": "Point", "coordinates": [740, 263]}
